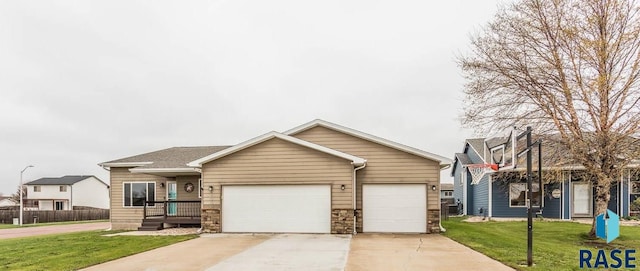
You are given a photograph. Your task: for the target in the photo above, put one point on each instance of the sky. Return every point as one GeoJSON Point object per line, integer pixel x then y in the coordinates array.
{"type": "Point", "coordinates": [84, 82]}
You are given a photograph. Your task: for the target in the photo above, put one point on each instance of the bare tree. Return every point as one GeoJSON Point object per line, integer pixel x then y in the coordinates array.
{"type": "Point", "coordinates": [15, 197]}
{"type": "Point", "coordinates": [566, 67]}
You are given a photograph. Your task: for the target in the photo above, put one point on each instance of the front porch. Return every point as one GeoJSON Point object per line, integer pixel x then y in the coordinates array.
{"type": "Point", "coordinates": [172, 212]}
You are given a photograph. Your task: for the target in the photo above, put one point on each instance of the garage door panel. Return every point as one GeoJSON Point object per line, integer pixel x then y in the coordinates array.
{"type": "Point", "coordinates": [277, 208]}
{"type": "Point", "coordinates": [394, 208]}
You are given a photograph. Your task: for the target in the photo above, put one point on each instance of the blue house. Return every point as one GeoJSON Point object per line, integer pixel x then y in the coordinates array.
{"type": "Point", "coordinates": [501, 191]}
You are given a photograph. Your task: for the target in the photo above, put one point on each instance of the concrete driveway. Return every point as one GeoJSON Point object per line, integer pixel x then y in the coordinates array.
{"type": "Point", "coordinates": [216, 252]}
{"type": "Point", "coordinates": [415, 252]}
{"type": "Point", "coordinates": [53, 229]}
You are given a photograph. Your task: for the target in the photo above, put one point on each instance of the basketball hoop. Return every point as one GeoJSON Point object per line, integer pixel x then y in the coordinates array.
{"type": "Point", "coordinates": [478, 170]}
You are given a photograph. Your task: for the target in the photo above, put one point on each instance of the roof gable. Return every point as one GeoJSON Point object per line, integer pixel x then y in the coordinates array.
{"type": "Point", "coordinates": [441, 159]}
{"type": "Point", "coordinates": [356, 161]}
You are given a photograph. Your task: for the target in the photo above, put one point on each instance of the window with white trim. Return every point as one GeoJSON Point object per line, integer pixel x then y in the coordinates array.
{"type": "Point", "coordinates": [448, 193]}
{"type": "Point", "coordinates": [135, 193]}
{"type": "Point", "coordinates": [36, 188]}
{"type": "Point", "coordinates": [518, 195]}
{"type": "Point", "coordinates": [63, 188]}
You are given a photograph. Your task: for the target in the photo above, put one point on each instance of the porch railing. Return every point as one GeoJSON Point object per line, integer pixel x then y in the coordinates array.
{"type": "Point", "coordinates": [178, 208]}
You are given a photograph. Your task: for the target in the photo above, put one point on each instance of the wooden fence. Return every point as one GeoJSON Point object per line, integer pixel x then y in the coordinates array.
{"type": "Point", "coordinates": [30, 217]}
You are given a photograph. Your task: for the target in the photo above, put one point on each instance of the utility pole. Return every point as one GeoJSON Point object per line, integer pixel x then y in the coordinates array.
{"type": "Point", "coordinates": [22, 193]}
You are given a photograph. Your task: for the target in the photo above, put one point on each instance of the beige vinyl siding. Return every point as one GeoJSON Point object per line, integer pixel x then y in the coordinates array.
{"type": "Point", "coordinates": [384, 164]}
{"type": "Point", "coordinates": [129, 217]}
{"type": "Point", "coordinates": [276, 161]}
{"type": "Point", "coordinates": [182, 181]}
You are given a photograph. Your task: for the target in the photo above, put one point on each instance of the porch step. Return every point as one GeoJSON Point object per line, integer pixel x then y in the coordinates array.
{"type": "Point", "coordinates": [151, 225]}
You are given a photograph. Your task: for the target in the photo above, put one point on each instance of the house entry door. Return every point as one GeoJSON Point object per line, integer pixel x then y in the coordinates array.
{"type": "Point", "coordinates": [582, 202]}
{"type": "Point", "coordinates": [172, 195]}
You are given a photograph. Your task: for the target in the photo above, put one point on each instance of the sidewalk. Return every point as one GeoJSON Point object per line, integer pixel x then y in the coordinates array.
{"type": "Point", "coordinates": [53, 229]}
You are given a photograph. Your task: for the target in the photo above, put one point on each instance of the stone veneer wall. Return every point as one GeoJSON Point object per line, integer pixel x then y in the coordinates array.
{"type": "Point", "coordinates": [433, 221]}
{"type": "Point", "coordinates": [342, 221]}
{"type": "Point", "coordinates": [211, 220]}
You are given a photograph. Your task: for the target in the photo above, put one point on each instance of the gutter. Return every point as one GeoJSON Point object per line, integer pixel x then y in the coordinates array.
{"type": "Point", "coordinates": [355, 217]}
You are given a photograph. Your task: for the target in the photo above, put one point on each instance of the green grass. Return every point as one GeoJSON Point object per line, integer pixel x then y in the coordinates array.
{"type": "Point", "coordinates": [73, 251]}
{"type": "Point", "coordinates": [556, 245]}
{"type": "Point", "coordinates": [11, 226]}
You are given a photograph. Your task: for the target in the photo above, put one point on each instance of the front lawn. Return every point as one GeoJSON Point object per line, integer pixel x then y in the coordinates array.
{"type": "Point", "coordinates": [72, 251]}
{"type": "Point", "coordinates": [556, 245]}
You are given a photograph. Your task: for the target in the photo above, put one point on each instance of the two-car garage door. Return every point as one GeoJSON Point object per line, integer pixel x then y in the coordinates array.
{"type": "Point", "coordinates": [276, 208]}
{"type": "Point", "coordinates": [307, 208]}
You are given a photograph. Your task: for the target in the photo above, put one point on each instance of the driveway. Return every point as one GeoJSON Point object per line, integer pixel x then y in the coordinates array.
{"type": "Point", "coordinates": [216, 252]}
{"type": "Point", "coordinates": [415, 252]}
{"type": "Point", "coordinates": [43, 230]}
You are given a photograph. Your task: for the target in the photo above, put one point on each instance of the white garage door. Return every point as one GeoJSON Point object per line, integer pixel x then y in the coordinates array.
{"type": "Point", "coordinates": [394, 207]}
{"type": "Point", "coordinates": [276, 208]}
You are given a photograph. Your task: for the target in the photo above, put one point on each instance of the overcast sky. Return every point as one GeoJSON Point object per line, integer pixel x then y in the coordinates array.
{"type": "Point", "coordinates": [83, 82]}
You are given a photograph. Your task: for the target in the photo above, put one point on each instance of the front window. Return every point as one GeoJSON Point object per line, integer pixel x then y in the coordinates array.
{"type": "Point", "coordinates": [448, 193]}
{"type": "Point", "coordinates": [135, 194]}
{"type": "Point", "coordinates": [518, 195]}
{"type": "Point", "coordinates": [63, 188]}
{"type": "Point", "coordinates": [59, 205]}
{"type": "Point", "coordinates": [36, 188]}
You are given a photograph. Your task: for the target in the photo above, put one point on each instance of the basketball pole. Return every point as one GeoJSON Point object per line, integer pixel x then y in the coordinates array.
{"type": "Point", "coordinates": [529, 205]}
{"type": "Point", "coordinates": [528, 150]}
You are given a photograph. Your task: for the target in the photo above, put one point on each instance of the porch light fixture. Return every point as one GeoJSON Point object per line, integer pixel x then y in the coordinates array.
{"type": "Point", "coordinates": [162, 185]}
{"type": "Point", "coordinates": [342, 187]}
{"type": "Point", "coordinates": [433, 187]}
{"type": "Point", "coordinates": [211, 188]}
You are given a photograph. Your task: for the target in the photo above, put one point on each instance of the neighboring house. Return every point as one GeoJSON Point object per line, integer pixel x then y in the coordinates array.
{"type": "Point", "coordinates": [446, 191]}
{"type": "Point", "coordinates": [6, 201]}
{"type": "Point", "coordinates": [319, 177]}
{"type": "Point", "coordinates": [502, 192]}
{"type": "Point", "coordinates": [68, 192]}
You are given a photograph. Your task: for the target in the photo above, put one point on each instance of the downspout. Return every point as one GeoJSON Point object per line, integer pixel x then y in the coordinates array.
{"type": "Point", "coordinates": [355, 217]}
{"type": "Point", "coordinates": [71, 197]}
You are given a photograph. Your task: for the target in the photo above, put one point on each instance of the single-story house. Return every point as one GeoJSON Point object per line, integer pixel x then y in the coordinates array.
{"type": "Point", "coordinates": [68, 192]}
{"type": "Point", "coordinates": [6, 201]}
{"type": "Point", "coordinates": [501, 191]}
{"type": "Point", "coordinates": [319, 177]}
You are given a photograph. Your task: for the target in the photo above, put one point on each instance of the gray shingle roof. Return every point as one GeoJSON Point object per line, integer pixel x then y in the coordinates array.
{"type": "Point", "coordinates": [464, 158]}
{"type": "Point", "coordinates": [64, 180]}
{"type": "Point", "coordinates": [477, 144]}
{"type": "Point", "coordinates": [446, 186]}
{"type": "Point", "coordinates": [176, 157]}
